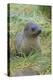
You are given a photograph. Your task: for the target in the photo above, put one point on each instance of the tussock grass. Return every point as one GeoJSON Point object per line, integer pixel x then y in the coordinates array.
{"type": "Point", "coordinates": [40, 61]}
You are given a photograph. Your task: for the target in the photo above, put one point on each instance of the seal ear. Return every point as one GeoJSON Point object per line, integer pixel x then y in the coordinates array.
{"type": "Point", "coordinates": [26, 28]}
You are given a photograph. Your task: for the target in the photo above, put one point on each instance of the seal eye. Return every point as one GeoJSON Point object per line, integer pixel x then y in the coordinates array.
{"type": "Point", "coordinates": [33, 29]}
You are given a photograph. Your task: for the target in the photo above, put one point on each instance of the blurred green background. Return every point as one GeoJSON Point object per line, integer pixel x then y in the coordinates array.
{"type": "Point", "coordinates": [20, 14]}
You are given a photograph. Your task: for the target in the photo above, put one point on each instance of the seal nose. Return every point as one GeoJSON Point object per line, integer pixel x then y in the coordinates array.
{"type": "Point", "coordinates": [39, 31]}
